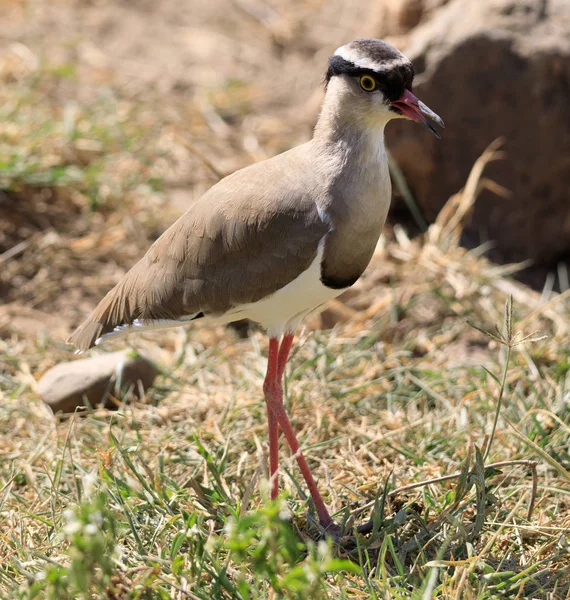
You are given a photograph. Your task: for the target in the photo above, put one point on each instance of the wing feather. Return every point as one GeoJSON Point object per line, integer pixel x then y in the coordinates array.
{"type": "Point", "coordinates": [247, 237]}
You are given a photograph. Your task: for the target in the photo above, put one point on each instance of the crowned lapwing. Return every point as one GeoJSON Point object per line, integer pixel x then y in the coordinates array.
{"type": "Point", "coordinates": [277, 239]}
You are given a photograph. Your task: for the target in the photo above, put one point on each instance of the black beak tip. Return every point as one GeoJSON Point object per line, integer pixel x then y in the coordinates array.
{"type": "Point", "coordinates": [432, 129]}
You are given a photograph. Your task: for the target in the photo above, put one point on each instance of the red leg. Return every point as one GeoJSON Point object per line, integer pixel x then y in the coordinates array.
{"type": "Point", "coordinates": [273, 453]}
{"type": "Point", "coordinates": [275, 368]}
{"type": "Point", "coordinates": [273, 427]}
{"type": "Point", "coordinates": [284, 350]}
{"type": "Point", "coordinates": [273, 388]}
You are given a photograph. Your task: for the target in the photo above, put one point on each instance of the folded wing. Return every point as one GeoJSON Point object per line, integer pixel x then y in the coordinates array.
{"type": "Point", "coordinates": [242, 241]}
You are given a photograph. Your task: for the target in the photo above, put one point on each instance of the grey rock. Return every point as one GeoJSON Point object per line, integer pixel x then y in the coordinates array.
{"type": "Point", "coordinates": [496, 68]}
{"type": "Point", "coordinates": [91, 380]}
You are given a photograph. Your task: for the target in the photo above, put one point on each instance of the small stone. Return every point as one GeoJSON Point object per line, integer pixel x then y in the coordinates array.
{"type": "Point", "coordinates": [91, 381]}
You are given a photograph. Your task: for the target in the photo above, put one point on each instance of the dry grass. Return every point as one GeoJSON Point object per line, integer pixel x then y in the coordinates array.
{"type": "Point", "coordinates": [391, 396]}
{"type": "Point", "coordinates": [166, 498]}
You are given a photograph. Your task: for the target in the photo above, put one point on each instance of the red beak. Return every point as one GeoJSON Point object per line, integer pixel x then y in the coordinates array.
{"type": "Point", "coordinates": [414, 109]}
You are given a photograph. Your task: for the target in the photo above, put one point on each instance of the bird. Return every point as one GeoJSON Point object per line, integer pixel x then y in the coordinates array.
{"type": "Point", "coordinates": [277, 239]}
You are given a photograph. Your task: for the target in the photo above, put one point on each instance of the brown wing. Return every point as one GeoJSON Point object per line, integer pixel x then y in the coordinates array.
{"type": "Point", "coordinates": [247, 237]}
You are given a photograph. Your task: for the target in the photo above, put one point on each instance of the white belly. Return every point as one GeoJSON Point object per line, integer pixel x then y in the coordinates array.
{"type": "Point", "coordinates": [282, 311]}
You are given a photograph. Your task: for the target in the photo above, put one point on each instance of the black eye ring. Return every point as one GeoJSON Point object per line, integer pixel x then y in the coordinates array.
{"type": "Point", "coordinates": [367, 83]}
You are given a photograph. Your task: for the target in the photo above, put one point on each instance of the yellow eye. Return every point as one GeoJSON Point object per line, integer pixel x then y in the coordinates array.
{"type": "Point", "coordinates": [367, 83]}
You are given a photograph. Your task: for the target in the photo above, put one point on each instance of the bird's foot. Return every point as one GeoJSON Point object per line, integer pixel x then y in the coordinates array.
{"type": "Point", "coordinates": [341, 533]}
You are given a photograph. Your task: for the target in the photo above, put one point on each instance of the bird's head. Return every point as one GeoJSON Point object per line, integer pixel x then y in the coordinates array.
{"type": "Point", "coordinates": [374, 82]}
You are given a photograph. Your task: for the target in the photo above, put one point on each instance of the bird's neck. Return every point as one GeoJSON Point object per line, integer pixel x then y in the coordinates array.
{"type": "Point", "coordinates": [342, 122]}
{"type": "Point", "coordinates": [354, 140]}
{"type": "Point", "coordinates": [349, 151]}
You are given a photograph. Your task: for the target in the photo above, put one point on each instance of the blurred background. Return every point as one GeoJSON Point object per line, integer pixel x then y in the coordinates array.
{"type": "Point", "coordinates": [116, 115]}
